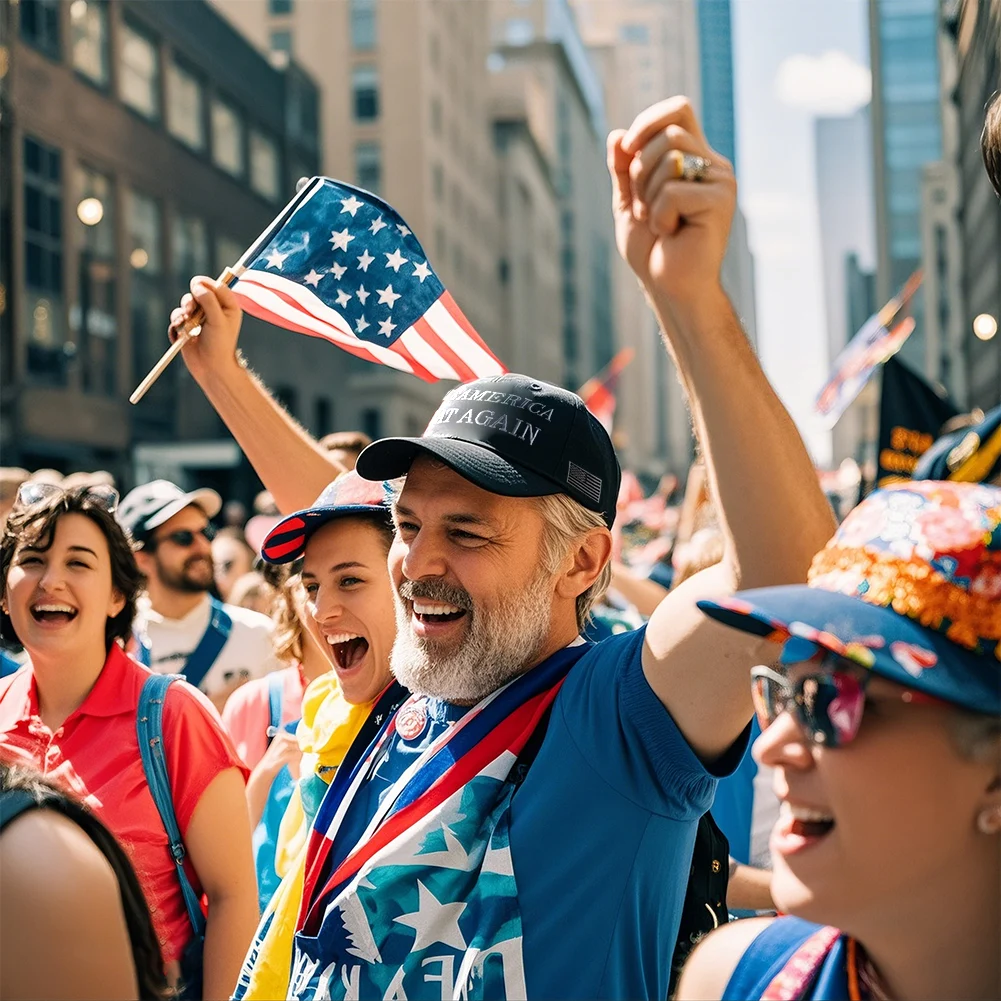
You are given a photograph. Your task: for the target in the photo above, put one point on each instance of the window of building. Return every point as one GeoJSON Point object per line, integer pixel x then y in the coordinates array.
{"type": "Point", "coordinates": [634, 34]}
{"type": "Point", "coordinates": [365, 88]}
{"type": "Point", "coordinates": [287, 397]}
{"type": "Point", "coordinates": [43, 251]}
{"type": "Point", "coordinates": [227, 252]}
{"type": "Point", "coordinates": [438, 182]}
{"type": "Point", "coordinates": [89, 39]}
{"type": "Point", "coordinates": [518, 31]}
{"type": "Point", "coordinates": [363, 25]}
{"type": "Point", "coordinates": [302, 110]}
{"type": "Point", "coordinates": [323, 417]}
{"type": "Point", "coordinates": [139, 72]}
{"type": "Point", "coordinates": [436, 116]}
{"type": "Point", "coordinates": [265, 168]}
{"type": "Point", "coordinates": [144, 224]}
{"type": "Point", "coordinates": [368, 166]}
{"type": "Point", "coordinates": [371, 423]}
{"type": "Point", "coordinates": [94, 317]}
{"type": "Point", "coordinates": [40, 25]}
{"type": "Point", "coordinates": [227, 137]}
{"type": "Point", "coordinates": [440, 244]}
{"type": "Point", "coordinates": [189, 249]}
{"type": "Point", "coordinates": [281, 47]}
{"type": "Point", "coordinates": [185, 107]}
{"type": "Point", "coordinates": [280, 6]}
{"type": "Point", "coordinates": [147, 299]}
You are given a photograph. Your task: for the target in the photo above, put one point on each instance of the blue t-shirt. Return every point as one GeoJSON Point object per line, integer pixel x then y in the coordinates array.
{"type": "Point", "coordinates": [602, 829]}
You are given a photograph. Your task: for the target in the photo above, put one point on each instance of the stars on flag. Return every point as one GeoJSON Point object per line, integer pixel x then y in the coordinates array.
{"type": "Point", "coordinates": [363, 294]}
{"type": "Point", "coordinates": [377, 224]}
{"type": "Point", "coordinates": [337, 270]}
{"type": "Point", "coordinates": [313, 278]}
{"type": "Point", "coordinates": [434, 921]}
{"type": "Point", "coordinates": [340, 238]}
{"type": "Point", "coordinates": [421, 271]}
{"type": "Point", "coordinates": [351, 205]}
{"type": "Point", "coordinates": [403, 229]}
{"type": "Point", "coordinates": [387, 296]}
{"type": "Point", "coordinates": [276, 260]}
{"type": "Point", "coordinates": [395, 259]}
{"type": "Point", "coordinates": [365, 260]}
{"type": "Point", "coordinates": [362, 324]}
{"type": "Point", "coordinates": [342, 298]}
{"type": "Point", "coordinates": [386, 327]}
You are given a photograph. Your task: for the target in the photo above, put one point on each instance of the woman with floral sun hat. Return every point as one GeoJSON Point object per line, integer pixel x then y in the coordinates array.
{"type": "Point", "coordinates": [882, 720]}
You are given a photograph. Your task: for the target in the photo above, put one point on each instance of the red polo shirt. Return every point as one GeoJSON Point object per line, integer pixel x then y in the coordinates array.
{"type": "Point", "coordinates": [95, 756]}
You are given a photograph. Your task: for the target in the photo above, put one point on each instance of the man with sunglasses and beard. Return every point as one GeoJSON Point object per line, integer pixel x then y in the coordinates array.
{"type": "Point", "coordinates": [181, 628]}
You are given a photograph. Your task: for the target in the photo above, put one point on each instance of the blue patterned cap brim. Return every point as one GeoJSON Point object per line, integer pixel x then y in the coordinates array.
{"type": "Point", "coordinates": [891, 645]}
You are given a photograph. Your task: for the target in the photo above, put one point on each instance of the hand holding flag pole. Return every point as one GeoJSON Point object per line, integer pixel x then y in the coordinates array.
{"type": "Point", "coordinates": [317, 269]}
{"type": "Point", "coordinates": [184, 333]}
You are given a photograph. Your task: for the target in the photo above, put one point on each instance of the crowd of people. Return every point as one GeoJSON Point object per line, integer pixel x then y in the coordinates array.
{"type": "Point", "coordinates": [465, 715]}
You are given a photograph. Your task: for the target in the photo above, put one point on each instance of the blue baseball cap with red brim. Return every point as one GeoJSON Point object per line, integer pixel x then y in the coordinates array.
{"type": "Point", "coordinates": [909, 587]}
{"type": "Point", "coordinates": [348, 495]}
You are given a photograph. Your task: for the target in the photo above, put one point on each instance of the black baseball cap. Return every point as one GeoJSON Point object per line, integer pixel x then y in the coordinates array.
{"type": "Point", "coordinates": [515, 436]}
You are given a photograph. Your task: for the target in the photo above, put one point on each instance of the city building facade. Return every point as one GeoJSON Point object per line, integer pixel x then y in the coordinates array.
{"type": "Point", "coordinates": [716, 60]}
{"type": "Point", "coordinates": [907, 134]}
{"type": "Point", "coordinates": [847, 251]}
{"type": "Point", "coordinates": [406, 115]}
{"type": "Point", "coordinates": [977, 31]}
{"type": "Point", "coordinates": [142, 144]}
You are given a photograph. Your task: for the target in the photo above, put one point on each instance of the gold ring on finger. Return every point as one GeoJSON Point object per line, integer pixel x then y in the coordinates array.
{"type": "Point", "coordinates": [689, 167]}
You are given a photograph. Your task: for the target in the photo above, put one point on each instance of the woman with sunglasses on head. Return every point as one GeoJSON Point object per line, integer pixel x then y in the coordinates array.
{"type": "Point", "coordinates": [69, 584]}
{"type": "Point", "coordinates": [882, 720]}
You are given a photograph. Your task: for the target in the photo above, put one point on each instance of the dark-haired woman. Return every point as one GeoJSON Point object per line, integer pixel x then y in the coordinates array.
{"type": "Point", "coordinates": [69, 587]}
{"type": "Point", "coordinates": [67, 880]}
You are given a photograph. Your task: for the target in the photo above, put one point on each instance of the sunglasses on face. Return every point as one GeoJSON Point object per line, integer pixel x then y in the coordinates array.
{"type": "Point", "coordinates": [184, 537]}
{"type": "Point", "coordinates": [826, 696]}
{"type": "Point", "coordinates": [34, 493]}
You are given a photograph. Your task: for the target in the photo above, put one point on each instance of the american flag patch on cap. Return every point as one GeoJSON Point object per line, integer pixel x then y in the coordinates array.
{"type": "Point", "coordinates": [587, 483]}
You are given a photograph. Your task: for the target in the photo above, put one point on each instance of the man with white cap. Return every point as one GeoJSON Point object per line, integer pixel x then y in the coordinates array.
{"type": "Point", "coordinates": [180, 627]}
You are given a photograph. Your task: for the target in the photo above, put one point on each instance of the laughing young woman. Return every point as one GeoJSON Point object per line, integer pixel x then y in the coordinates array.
{"type": "Point", "coordinates": [343, 541]}
{"type": "Point", "coordinates": [69, 585]}
{"type": "Point", "coordinates": [883, 724]}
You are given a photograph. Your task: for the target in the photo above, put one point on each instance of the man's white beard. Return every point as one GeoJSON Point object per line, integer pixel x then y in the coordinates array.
{"type": "Point", "coordinates": [500, 645]}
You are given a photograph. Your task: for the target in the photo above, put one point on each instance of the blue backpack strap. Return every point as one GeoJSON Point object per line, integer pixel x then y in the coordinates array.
{"type": "Point", "coordinates": [276, 695]}
{"type": "Point", "coordinates": [8, 664]}
{"type": "Point", "coordinates": [210, 645]}
{"type": "Point", "coordinates": [149, 727]}
{"type": "Point", "coordinates": [767, 957]}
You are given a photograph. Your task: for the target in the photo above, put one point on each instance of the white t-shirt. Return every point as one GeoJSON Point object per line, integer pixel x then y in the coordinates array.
{"type": "Point", "coordinates": [248, 648]}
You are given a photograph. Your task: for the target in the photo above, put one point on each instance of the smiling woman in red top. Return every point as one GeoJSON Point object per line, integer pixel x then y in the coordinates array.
{"type": "Point", "coordinates": [69, 589]}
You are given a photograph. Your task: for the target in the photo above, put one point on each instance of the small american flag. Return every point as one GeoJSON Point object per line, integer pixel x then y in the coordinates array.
{"type": "Point", "coordinates": [341, 264]}
{"type": "Point", "coordinates": [599, 392]}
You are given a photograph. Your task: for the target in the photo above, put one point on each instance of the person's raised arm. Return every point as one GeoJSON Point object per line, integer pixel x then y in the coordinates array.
{"type": "Point", "coordinates": [284, 455]}
{"type": "Point", "coordinates": [773, 514]}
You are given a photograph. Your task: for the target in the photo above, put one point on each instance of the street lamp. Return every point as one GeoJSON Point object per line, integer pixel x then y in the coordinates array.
{"type": "Point", "coordinates": [985, 326]}
{"type": "Point", "coordinates": [90, 211]}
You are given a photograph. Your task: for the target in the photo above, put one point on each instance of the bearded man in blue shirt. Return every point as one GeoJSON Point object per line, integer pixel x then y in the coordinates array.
{"type": "Point", "coordinates": [523, 825]}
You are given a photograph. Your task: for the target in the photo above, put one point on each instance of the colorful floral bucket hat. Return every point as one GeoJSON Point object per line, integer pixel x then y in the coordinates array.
{"type": "Point", "coordinates": [910, 587]}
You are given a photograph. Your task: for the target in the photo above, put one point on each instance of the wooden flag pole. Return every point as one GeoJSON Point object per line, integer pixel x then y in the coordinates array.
{"type": "Point", "coordinates": [184, 334]}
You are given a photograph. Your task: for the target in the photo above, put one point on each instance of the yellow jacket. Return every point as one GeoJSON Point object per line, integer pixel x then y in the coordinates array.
{"type": "Point", "coordinates": [329, 724]}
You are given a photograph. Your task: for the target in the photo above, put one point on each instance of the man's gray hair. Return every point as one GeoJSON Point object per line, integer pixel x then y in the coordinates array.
{"type": "Point", "coordinates": [565, 521]}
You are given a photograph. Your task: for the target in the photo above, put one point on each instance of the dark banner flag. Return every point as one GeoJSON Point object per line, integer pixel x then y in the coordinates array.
{"type": "Point", "coordinates": [911, 414]}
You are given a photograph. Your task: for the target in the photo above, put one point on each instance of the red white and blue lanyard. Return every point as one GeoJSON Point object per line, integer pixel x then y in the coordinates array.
{"type": "Point", "coordinates": [502, 721]}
